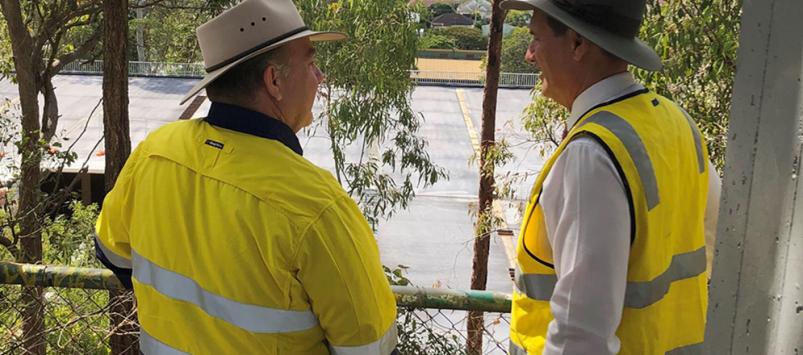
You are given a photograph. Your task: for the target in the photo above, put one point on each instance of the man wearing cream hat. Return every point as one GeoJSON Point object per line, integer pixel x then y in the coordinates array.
{"type": "Point", "coordinates": [234, 243]}
{"type": "Point", "coordinates": [611, 254]}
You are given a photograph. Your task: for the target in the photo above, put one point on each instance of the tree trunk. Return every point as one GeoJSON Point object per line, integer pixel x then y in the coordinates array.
{"type": "Point", "coordinates": [29, 208]}
{"type": "Point", "coordinates": [50, 112]}
{"type": "Point", "coordinates": [118, 146]}
{"type": "Point", "coordinates": [140, 35]}
{"type": "Point", "coordinates": [479, 274]}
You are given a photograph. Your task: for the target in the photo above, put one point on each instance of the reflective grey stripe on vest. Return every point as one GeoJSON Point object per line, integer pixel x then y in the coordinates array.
{"type": "Point", "coordinates": [384, 345]}
{"type": "Point", "coordinates": [514, 349]}
{"type": "Point", "coordinates": [694, 349]}
{"type": "Point", "coordinates": [635, 147]}
{"type": "Point", "coordinates": [149, 345]}
{"type": "Point", "coordinates": [683, 266]}
{"type": "Point", "coordinates": [638, 294]}
{"type": "Point", "coordinates": [536, 286]}
{"type": "Point", "coordinates": [252, 318]}
{"type": "Point", "coordinates": [698, 142]}
{"type": "Point", "coordinates": [118, 260]}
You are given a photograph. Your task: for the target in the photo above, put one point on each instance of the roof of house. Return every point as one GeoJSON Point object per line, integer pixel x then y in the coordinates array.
{"type": "Point", "coordinates": [452, 19]}
{"type": "Point", "coordinates": [429, 3]}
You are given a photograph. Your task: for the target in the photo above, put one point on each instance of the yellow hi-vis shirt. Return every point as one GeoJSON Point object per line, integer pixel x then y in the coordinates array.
{"type": "Point", "coordinates": [662, 160]}
{"type": "Point", "coordinates": [240, 246]}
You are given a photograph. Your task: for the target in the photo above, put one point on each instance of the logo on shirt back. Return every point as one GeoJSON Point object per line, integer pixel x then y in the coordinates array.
{"type": "Point", "coordinates": [214, 144]}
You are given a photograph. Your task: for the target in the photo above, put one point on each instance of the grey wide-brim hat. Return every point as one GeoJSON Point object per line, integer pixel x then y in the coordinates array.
{"type": "Point", "coordinates": [247, 30]}
{"type": "Point", "coordinates": [626, 47]}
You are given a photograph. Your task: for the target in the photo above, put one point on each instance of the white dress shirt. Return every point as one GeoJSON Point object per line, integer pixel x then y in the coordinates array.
{"type": "Point", "coordinates": [588, 226]}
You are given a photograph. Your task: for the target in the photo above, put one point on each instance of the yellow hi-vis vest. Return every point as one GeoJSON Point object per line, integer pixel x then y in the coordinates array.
{"type": "Point", "coordinates": [240, 246]}
{"type": "Point", "coordinates": [662, 160]}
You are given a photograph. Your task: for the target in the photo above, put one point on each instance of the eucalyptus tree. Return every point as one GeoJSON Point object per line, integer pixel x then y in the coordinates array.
{"type": "Point", "coordinates": [366, 102]}
{"type": "Point", "coordinates": [45, 36]}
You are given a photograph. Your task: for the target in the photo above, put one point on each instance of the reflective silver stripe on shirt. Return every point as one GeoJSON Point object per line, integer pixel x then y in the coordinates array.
{"type": "Point", "coordinates": [698, 143]}
{"type": "Point", "coordinates": [514, 349]}
{"type": "Point", "coordinates": [252, 318]}
{"type": "Point", "coordinates": [638, 294]}
{"type": "Point", "coordinates": [635, 147]}
{"type": "Point", "coordinates": [149, 345]}
{"type": "Point", "coordinates": [383, 346]}
{"type": "Point", "coordinates": [694, 349]}
{"type": "Point", "coordinates": [683, 266]}
{"type": "Point", "coordinates": [536, 286]}
{"type": "Point", "coordinates": [117, 260]}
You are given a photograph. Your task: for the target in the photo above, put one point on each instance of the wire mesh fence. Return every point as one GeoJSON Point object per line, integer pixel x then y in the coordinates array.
{"type": "Point", "coordinates": [196, 70]}
{"type": "Point", "coordinates": [76, 320]}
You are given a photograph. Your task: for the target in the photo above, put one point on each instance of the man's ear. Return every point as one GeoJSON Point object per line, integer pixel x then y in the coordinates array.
{"type": "Point", "coordinates": [271, 78]}
{"type": "Point", "coordinates": [580, 45]}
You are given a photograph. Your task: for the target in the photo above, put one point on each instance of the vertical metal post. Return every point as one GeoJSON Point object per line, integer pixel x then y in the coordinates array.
{"type": "Point", "coordinates": [756, 301]}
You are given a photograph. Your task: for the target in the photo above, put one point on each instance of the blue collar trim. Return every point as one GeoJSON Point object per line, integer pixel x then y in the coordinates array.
{"type": "Point", "coordinates": [254, 123]}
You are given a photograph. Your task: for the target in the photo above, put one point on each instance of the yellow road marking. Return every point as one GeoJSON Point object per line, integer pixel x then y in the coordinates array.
{"type": "Point", "coordinates": [497, 210]}
{"type": "Point", "coordinates": [472, 131]}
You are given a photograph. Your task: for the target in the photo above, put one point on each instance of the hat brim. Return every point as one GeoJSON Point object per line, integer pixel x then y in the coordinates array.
{"type": "Point", "coordinates": [211, 76]}
{"type": "Point", "coordinates": [631, 50]}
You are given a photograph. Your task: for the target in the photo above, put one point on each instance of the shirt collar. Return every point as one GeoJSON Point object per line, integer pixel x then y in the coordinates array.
{"type": "Point", "coordinates": [243, 120]}
{"type": "Point", "coordinates": [604, 90]}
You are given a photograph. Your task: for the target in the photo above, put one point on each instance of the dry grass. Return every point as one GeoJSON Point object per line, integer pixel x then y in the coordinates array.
{"type": "Point", "coordinates": [448, 65]}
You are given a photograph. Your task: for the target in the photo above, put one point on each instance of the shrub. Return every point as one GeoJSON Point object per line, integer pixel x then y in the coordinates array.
{"type": "Point", "coordinates": [435, 41]}
{"type": "Point", "coordinates": [514, 47]}
{"type": "Point", "coordinates": [464, 37]}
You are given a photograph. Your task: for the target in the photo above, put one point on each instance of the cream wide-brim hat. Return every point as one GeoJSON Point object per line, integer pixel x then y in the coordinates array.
{"type": "Point", "coordinates": [628, 48]}
{"type": "Point", "coordinates": [247, 30]}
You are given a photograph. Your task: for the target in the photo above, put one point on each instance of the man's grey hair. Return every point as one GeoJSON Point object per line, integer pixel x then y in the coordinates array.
{"type": "Point", "coordinates": [239, 85]}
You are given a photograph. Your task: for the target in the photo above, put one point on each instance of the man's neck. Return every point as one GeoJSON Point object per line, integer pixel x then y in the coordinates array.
{"type": "Point", "coordinates": [589, 80]}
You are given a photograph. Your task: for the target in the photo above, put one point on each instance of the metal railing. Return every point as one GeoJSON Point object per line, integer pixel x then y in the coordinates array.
{"type": "Point", "coordinates": [76, 306]}
{"type": "Point", "coordinates": [196, 70]}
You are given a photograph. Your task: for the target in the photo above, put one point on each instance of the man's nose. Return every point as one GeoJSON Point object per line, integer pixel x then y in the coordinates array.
{"type": "Point", "coordinates": [529, 56]}
{"type": "Point", "coordinates": [319, 75]}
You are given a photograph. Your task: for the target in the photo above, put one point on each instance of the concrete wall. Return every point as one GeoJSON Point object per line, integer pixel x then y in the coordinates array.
{"type": "Point", "coordinates": [756, 302]}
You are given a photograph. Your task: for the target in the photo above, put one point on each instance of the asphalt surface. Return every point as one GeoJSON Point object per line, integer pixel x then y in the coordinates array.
{"type": "Point", "coordinates": [433, 238]}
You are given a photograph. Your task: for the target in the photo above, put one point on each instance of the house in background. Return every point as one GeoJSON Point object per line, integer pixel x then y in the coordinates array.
{"type": "Point", "coordinates": [452, 19]}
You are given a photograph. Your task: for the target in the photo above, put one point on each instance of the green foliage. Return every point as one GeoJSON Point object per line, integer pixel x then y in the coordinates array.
{"type": "Point", "coordinates": [168, 29]}
{"type": "Point", "coordinates": [698, 43]}
{"type": "Point", "coordinates": [66, 238]}
{"type": "Point", "coordinates": [369, 109]}
{"type": "Point", "coordinates": [514, 47]}
{"type": "Point", "coordinates": [75, 319]}
{"type": "Point", "coordinates": [518, 18]}
{"type": "Point", "coordinates": [464, 37]}
{"type": "Point", "coordinates": [432, 40]}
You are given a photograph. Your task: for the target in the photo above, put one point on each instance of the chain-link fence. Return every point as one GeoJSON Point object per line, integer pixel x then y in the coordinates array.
{"type": "Point", "coordinates": [196, 70]}
{"type": "Point", "coordinates": [75, 314]}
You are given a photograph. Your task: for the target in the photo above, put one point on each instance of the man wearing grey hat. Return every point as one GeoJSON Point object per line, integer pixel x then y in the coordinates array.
{"type": "Point", "coordinates": [611, 254]}
{"type": "Point", "coordinates": [234, 243]}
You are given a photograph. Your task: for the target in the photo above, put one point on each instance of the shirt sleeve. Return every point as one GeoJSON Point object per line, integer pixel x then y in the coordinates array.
{"type": "Point", "coordinates": [112, 245]}
{"type": "Point", "coordinates": [588, 225]}
{"type": "Point", "coordinates": [340, 269]}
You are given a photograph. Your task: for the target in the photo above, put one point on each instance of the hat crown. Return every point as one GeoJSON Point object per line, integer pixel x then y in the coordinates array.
{"type": "Point", "coordinates": [248, 25]}
{"type": "Point", "coordinates": [622, 17]}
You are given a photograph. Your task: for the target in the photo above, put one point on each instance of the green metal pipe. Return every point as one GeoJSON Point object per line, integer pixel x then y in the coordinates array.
{"type": "Point", "coordinates": [438, 298]}
{"type": "Point", "coordinates": [57, 276]}
{"type": "Point", "coordinates": [102, 279]}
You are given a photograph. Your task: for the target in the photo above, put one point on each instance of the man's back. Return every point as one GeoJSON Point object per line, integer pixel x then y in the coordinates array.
{"type": "Point", "coordinates": [239, 244]}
